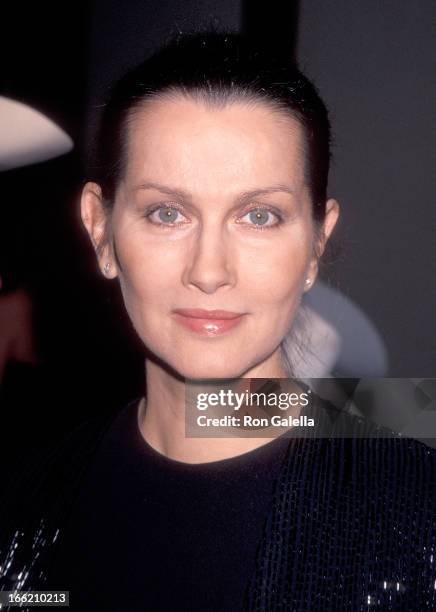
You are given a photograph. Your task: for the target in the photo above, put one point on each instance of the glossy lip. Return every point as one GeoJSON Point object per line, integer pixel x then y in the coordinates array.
{"type": "Point", "coordinates": [208, 322]}
{"type": "Point", "coordinates": [198, 313]}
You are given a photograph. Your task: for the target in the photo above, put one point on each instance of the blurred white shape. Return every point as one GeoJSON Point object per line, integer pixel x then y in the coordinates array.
{"type": "Point", "coordinates": [333, 335]}
{"type": "Point", "coordinates": [363, 352]}
{"type": "Point", "coordinates": [27, 136]}
{"type": "Point", "coordinates": [315, 346]}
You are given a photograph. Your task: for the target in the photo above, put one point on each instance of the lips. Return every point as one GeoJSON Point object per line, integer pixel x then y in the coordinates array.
{"type": "Point", "coordinates": [196, 313]}
{"type": "Point", "coordinates": [208, 322]}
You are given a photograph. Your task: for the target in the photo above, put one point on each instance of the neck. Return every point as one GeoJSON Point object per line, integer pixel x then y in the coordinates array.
{"type": "Point", "coordinates": [162, 423]}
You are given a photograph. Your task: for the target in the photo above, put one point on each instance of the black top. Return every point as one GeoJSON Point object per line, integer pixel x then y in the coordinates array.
{"type": "Point", "coordinates": [152, 533]}
{"type": "Point", "coordinates": [342, 523]}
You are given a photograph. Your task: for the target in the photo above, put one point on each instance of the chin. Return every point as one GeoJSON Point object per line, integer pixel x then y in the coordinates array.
{"type": "Point", "coordinates": [205, 371]}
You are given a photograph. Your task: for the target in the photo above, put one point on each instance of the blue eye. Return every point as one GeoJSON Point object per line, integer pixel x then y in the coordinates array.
{"type": "Point", "coordinates": [262, 217]}
{"type": "Point", "coordinates": [170, 215]}
{"type": "Point", "coordinates": [166, 215]}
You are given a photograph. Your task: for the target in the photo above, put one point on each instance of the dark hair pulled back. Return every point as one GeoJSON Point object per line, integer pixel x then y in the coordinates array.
{"type": "Point", "coordinates": [218, 68]}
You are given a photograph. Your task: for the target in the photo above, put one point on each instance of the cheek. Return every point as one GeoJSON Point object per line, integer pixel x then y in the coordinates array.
{"type": "Point", "coordinates": [277, 272]}
{"type": "Point", "coordinates": [149, 268]}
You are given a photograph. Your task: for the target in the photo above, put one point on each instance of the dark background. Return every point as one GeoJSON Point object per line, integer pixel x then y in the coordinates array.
{"type": "Point", "coordinates": [374, 63]}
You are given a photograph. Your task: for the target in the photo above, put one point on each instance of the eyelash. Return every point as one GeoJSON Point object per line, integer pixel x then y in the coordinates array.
{"type": "Point", "coordinates": [279, 217]}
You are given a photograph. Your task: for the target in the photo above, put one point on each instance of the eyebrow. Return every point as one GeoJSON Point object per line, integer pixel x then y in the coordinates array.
{"type": "Point", "coordinates": [244, 195]}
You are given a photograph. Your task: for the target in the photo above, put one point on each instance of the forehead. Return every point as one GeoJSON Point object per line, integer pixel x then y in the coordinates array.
{"type": "Point", "coordinates": [185, 141]}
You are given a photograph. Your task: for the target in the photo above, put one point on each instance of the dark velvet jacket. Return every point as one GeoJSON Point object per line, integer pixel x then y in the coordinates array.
{"type": "Point", "coordinates": [352, 522]}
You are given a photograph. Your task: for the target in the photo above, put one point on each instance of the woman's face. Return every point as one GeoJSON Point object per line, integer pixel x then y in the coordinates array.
{"type": "Point", "coordinates": [213, 213]}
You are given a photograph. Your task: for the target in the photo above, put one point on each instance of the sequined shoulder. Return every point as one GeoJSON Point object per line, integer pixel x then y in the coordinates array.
{"type": "Point", "coordinates": [352, 525]}
{"type": "Point", "coordinates": [34, 510]}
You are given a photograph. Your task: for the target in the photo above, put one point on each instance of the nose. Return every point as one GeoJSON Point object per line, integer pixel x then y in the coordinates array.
{"type": "Point", "coordinates": [210, 264]}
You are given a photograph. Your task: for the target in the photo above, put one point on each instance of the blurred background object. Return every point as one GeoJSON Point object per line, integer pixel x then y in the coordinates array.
{"type": "Point", "coordinates": [360, 347]}
{"type": "Point", "coordinates": [28, 136]}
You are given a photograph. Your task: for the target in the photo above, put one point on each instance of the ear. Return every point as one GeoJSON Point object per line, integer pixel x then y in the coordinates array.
{"type": "Point", "coordinates": [96, 221]}
{"type": "Point", "coordinates": [331, 218]}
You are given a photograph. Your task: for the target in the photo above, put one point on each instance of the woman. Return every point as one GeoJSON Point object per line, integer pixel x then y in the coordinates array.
{"type": "Point", "coordinates": [209, 206]}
